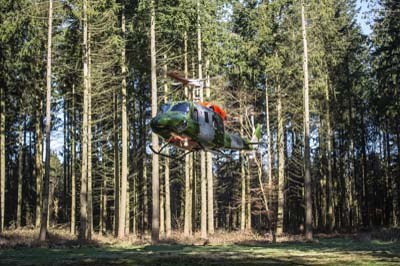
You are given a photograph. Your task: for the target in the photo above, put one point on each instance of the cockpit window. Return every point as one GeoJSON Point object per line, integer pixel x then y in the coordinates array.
{"type": "Point", "coordinates": [164, 108]}
{"type": "Point", "coordinates": [181, 107]}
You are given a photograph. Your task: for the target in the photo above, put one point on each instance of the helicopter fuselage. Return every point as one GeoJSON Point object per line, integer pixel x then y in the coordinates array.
{"type": "Point", "coordinates": [193, 126]}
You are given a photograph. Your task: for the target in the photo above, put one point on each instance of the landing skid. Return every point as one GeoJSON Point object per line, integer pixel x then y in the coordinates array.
{"type": "Point", "coordinates": [159, 152]}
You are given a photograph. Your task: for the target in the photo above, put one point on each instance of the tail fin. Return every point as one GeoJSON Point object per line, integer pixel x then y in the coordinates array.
{"type": "Point", "coordinates": [255, 140]}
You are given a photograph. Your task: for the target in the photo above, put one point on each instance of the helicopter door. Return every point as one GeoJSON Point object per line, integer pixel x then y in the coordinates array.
{"type": "Point", "coordinates": [207, 132]}
{"type": "Point", "coordinates": [218, 125]}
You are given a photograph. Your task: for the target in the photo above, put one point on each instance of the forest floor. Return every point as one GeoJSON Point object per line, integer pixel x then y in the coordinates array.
{"type": "Point", "coordinates": [344, 250]}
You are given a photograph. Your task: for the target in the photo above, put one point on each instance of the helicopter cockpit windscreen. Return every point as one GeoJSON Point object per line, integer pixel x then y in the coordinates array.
{"type": "Point", "coordinates": [181, 107]}
{"type": "Point", "coordinates": [164, 107]}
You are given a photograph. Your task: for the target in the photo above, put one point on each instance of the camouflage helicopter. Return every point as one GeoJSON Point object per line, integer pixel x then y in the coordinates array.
{"type": "Point", "coordinates": [196, 125]}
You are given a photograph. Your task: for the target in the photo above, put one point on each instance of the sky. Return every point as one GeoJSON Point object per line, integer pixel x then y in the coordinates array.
{"type": "Point", "coordinates": [362, 18]}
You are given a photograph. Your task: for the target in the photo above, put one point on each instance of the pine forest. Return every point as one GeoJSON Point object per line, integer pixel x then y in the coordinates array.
{"type": "Point", "coordinates": [83, 84]}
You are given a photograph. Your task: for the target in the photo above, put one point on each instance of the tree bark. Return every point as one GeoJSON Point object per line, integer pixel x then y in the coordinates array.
{"type": "Point", "coordinates": [281, 163]}
{"type": "Point", "coordinates": [124, 158]}
{"type": "Point", "coordinates": [155, 224]}
{"type": "Point", "coordinates": [45, 204]}
{"type": "Point", "coordinates": [269, 150]}
{"type": "Point", "coordinates": [84, 169]}
{"type": "Point", "coordinates": [167, 176]}
{"type": "Point", "coordinates": [89, 148]}
{"type": "Point", "coordinates": [20, 165]}
{"type": "Point", "coordinates": [2, 152]}
{"type": "Point", "coordinates": [203, 178]}
{"type": "Point", "coordinates": [307, 177]}
{"type": "Point", "coordinates": [117, 199]}
{"type": "Point", "coordinates": [248, 196]}
{"type": "Point", "coordinates": [187, 227]}
{"type": "Point", "coordinates": [330, 216]}
{"type": "Point", "coordinates": [243, 194]}
{"type": "Point", "coordinates": [38, 161]}
{"type": "Point", "coordinates": [73, 172]}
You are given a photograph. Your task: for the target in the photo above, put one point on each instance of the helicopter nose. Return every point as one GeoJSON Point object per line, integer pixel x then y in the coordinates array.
{"type": "Point", "coordinates": [168, 122]}
{"type": "Point", "coordinates": [160, 122]}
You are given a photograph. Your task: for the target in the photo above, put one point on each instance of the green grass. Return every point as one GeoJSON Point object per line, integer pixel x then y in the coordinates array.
{"type": "Point", "coordinates": [326, 252]}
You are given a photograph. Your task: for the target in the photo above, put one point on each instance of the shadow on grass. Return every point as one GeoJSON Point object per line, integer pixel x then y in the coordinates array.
{"type": "Point", "coordinates": [333, 244]}
{"type": "Point", "coordinates": [325, 252]}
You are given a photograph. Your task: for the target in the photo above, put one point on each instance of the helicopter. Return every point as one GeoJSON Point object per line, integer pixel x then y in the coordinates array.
{"type": "Point", "coordinates": [197, 125]}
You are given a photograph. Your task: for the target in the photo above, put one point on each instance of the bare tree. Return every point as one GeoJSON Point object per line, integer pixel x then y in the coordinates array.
{"type": "Point", "coordinates": [45, 204]}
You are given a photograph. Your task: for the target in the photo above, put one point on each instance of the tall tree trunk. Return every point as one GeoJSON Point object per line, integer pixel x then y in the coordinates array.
{"type": "Point", "coordinates": [364, 169]}
{"type": "Point", "coordinates": [162, 208]}
{"type": "Point", "coordinates": [45, 204]}
{"type": "Point", "coordinates": [65, 152]}
{"type": "Point", "coordinates": [330, 216]}
{"type": "Point", "coordinates": [210, 182]}
{"type": "Point", "coordinates": [307, 177]}
{"type": "Point", "coordinates": [243, 174]}
{"type": "Point", "coordinates": [155, 181]}
{"type": "Point", "coordinates": [351, 167]}
{"type": "Point", "coordinates": [243, 195]}
{"type": "Point", "coordinates": [38, 160]}
{"type": "Point", "coordinates": [393, 183]}
{"type": "Point", "coordinates": [187, 227]}
{"type": "Point", "coordinates": [84, 152]}
{"type": "Point", "coordinates": [145, 197]}
{"type": "Point", "coordinates": [89, 147]}
{"type": "Point", "coordinates": [396, 180]}
{"type": "Point", "coordinates": [2, 151]}
{"type": "Point", "coordinates": [20, 164]}
{"type": "Point", "coordinates": [124, 158]}
{"type": "Point", "coordinates": [117, 200]}
{"type": "Point", "coordinates": [73, 160]}
{"type": "Point", "coordinates": [281, 163]}
{"type": "Point", "coordinates": [203, 178]}
{"type": "Point", "coordinates": [248, 196]}
{"type": "Point", "coordinates": [269, 139]}
{"type": "Point", "coordinates": [167, 177]}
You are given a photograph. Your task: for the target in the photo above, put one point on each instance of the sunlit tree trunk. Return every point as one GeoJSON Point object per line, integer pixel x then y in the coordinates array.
{"type": "Point", "coordinates": [124, 158]}
{"type": "Point", "coordinates": [243, 193]}
{"type": "Point", "coordinates": [84, 149]}
{"type": "Point", "coordinates": [38, 160]}
{"type": "Point", "coordinates": [281, 163]}
{"type": "Point", "coordinates": [89, 148]}
{"type": "Point", "coordinates": [73, 172]}
{"type": "Point", "coordinates": [2, 152]}
{"type": "Point", "coordinates": [248, 196]}
{"type": "Point", "coordinates": [203, 178]}
{"type": "Point", "coordinates": [307, 177]}
{"type": "Point", "coordinates": [210, 182]}
{"type": "Point", "coordinates": [269, 139]}
{"type": "Point", "coordinates": [167, 176]}
{"type": "Point", "coordinates": [117, 179]}
{"type": "Point", "coordinates": [45, 203]}
{"type": "Point", "coordinates": [155, 181]}
{"type": "Point", "coordinates": [187, 227]}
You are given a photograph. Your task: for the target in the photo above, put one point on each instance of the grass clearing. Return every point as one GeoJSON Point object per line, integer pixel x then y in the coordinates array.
{"type": "Point", "coordinates": [336, 251]}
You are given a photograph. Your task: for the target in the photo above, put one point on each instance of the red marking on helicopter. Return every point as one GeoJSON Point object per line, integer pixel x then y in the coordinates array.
{"type": "Point", "coordinates": [216, 109]}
